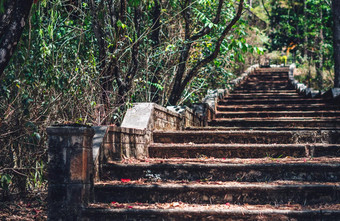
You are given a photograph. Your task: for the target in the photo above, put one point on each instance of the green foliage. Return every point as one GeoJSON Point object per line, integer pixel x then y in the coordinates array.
{"type": "Point", "coordinates": [57, 73]}
{"type": "Point", "coordinates": [5, 181]}
{"type": "Point", "coordinates": [36, 179]}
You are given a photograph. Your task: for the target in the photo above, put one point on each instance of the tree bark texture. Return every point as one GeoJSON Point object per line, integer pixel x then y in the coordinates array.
{"type": "Point", "coordinates": [156, 16]}
{"type": "Point", "coordinates": [319, 60]}
{"type": "Point", "coordinates": [12, 23]}
{"type": "Point", "coordinates": [336, 41]}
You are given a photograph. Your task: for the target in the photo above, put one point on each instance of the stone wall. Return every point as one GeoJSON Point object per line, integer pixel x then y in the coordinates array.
{"type": "Point", "coordinates": [131, 140]}
{"type": "Point", "coordinates": [333, 93]}
{"type": "Point", "coordinates": [121, 142]}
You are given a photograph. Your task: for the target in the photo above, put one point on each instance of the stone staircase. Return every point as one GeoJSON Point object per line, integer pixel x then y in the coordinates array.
{"type": "Point", "coordinates": [270, 154]}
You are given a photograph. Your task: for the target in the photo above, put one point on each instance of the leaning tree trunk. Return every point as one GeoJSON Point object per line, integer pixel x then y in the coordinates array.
{"type": "Point", "coordinates": [319, 60]}
{"type": "Point", "coordinates": [156, 14]}
{"type": "Point", "coordinates": [336, 42]}
{"type": "Point", "coordinates": [12, 23]}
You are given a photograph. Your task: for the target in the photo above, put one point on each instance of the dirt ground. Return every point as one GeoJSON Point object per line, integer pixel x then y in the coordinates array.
{"type": "Point", "coordinates": [29, 206]}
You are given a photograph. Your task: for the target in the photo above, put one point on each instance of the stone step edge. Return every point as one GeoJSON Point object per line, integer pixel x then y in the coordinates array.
{"type": "Point", "coordinates": [214, 145]}
{"type": "Point", "coordinates": [247, 186]}
{"type": "Point", "coordinates": [310, 165]}
{"type": "Point", "coordinates": [280, 119]}
{"type": "Point", "coordinates": [225, 212]}
{"type": "Point", "coordinates": [278, 112]}
{"type": "Point", "coordinates": [264, 132]}
{"type": "Point", "coordinates": [221, 128]}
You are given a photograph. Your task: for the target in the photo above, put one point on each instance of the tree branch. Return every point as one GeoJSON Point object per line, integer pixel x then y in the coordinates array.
{"type": "Point", "coordinates": [207, 30]}
{"type": "Point", "coordinates": [211, 57]}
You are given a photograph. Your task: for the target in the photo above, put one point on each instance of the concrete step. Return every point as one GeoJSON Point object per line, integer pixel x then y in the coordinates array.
{"type": "Point", "coordinates": [265, 114]}
{"type": "Point", "coordinates": [216, 192]}
{"type": "Point", "coordinates": [218, 212]}
{"type": "Point", "coordinates": [290, 122]}
{"type": "Point", "coordinates": [247, 137]}
{"type": "Point", "coordinates": [278, 107]}
{"type": "Point", "coordinates": [261, 170]}
{"type": "Point", "coordinates": [165, 150]}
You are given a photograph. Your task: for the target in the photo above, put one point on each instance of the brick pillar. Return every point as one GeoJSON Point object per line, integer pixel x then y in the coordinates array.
{"type": "Point", "coordinates": [70, 171]}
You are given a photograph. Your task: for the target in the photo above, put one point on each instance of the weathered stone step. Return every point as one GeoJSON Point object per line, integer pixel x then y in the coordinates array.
{"type": "Point", "coordinates": [279, 107]}
{"type": "Point", "coordinates": [273, 193]}
{"type": "Point", "coordinates": [264, 113]}
{"type": "Point", "coordinates": [268, 90]}
{"type": "Point", "coordinates": [256, 81]}
{"type": "Point", "coordinates": [247, 137]}
{"type": "Point", "coordinates": [161, 150]}
{"type": "Point", "coordinates": [263, 95]}
{"type": "Point", "coordinates": [221, 128]}
{"type": "Point", "coordinates": [225, 212]}
{"type": "Point", "coordinates": [283, 70]}
{"type": "Point", "coordinates": [268, 77]}
{"type": "Point", "coordinates": [290, 122]}
{"type": "Point", "coordinates": [261, 87]}
{"type": "Point", "coordinates": [285, 169]}
{"type": "Point", "coordinates": [299, 101]}
{"type": "Point", "coordinates": [238, 98]}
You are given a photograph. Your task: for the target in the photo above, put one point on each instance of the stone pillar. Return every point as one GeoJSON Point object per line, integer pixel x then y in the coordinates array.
{"type": "Point", "coordinates": [70, 171]}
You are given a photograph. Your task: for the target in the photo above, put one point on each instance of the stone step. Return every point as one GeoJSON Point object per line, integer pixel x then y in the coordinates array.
{"type": "Point", "coordinates": [238, 90]}
{"type": "Point", "coordinates": [263, 95]}
{"type": "Point", "coordinates": [265, 114]}
{"type": "Point", "coordinates": [268, 77]}
{"type": "Point", "coordinates": [279, 107]}
{"type": "Point", "coordinates": [261, 170]}
{"type": "Point", "coordinates": [299, 101]}
{"type": "Point", "coordinates": [218, 212]}
{"type": "Point", "coordinates": [165, 150]}
{"type": "Point", "coordinates": [247, 137]}
{"type": "Point", "coordinates": [221, 128]}
{"type": "Point", "coordinates": [215, 192]}
{"type": "Point", "coordinates": [290, 122]}
{"type": "Point", "coordinates": [268, 84]}
{"type": "Point", "coordinates": [262, 87]}
{"type": "Point", "coordinates": [282, 70]}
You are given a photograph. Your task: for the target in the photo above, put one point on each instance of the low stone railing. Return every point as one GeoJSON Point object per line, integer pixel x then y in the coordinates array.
{"type": "Point", "coordinates": [333, 93]}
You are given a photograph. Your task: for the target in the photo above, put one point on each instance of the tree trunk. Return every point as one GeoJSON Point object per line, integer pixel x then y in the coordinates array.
{"type": "Point", "coordinates": [305, 32]}
{"type": "Point", "coordinates": [336, 42]}
{"type": "Point", "coordinates": [319, 60]}
{"type": "Point", "coordinates": [155, 44]}
{"type": "Point", "coordinates": [182, 81]}
{"type": "Point", "coordinates": [12, 23]}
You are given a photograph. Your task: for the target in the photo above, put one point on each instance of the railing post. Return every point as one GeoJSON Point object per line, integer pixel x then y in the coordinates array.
{"type": "Point", "coordinates": [70, 171]}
